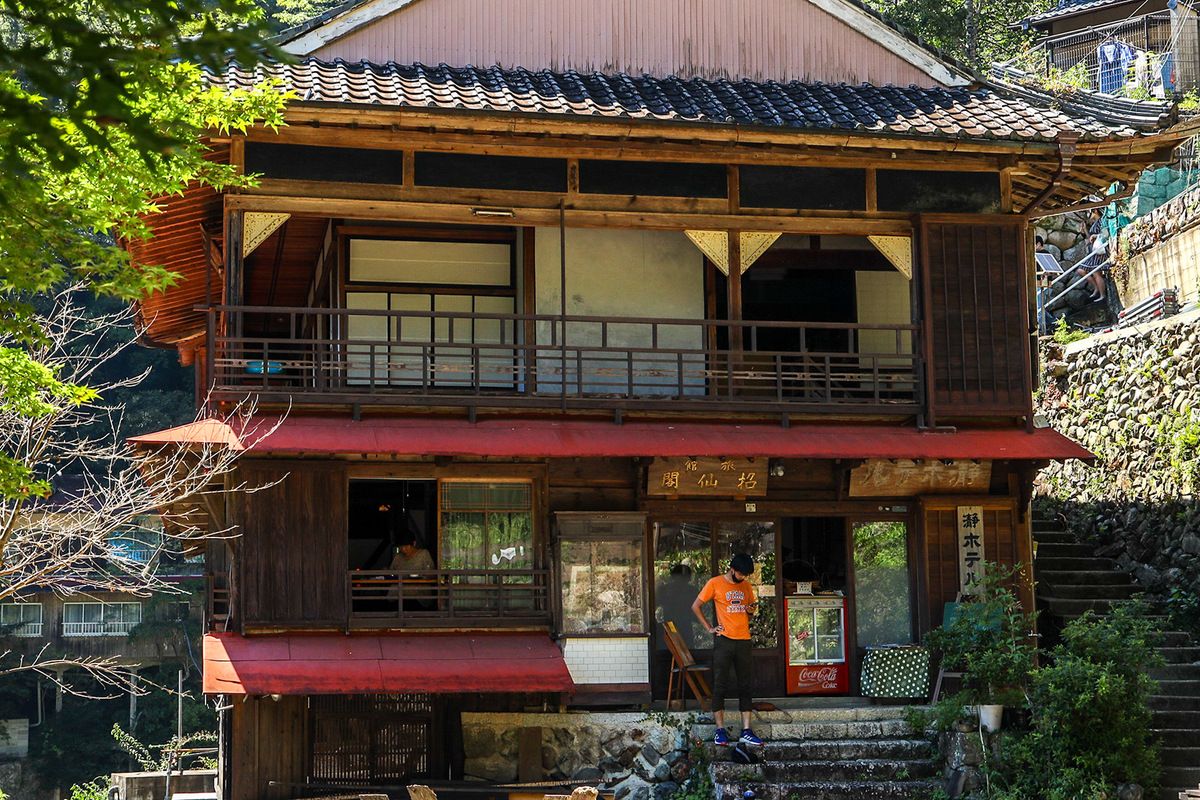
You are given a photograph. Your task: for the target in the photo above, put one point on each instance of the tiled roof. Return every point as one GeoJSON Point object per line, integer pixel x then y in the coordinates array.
{"type": "Point", "coordinates": [1065, 10]}
{"type": "Point", "coordinates": [983, 113]}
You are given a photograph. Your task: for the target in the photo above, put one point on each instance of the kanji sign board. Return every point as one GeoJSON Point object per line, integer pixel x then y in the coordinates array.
{"type": "Point", "coordinates": [707, 476]}
{"type": "Point", "coordinates": [970, 547]}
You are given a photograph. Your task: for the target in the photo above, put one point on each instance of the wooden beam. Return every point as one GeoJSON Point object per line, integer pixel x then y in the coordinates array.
{"type": "Point", "coordinates": [301, 114]}
{"type": "Point", "coordinates": [785, 152]}
{"type": "Point", "coordinates": [848, 223]}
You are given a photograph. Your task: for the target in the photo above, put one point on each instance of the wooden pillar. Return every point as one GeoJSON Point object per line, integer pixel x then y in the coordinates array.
{"type": "Point", "coordinates": [133, 696]}
{"type": "Point", "coordinates": [735, 290]}
{"type": "Point", "coordinates": [529, 306]}
{"type": "Point", "coordinates": [234, 274]}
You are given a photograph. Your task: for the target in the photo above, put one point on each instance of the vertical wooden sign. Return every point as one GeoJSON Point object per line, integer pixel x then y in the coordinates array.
{"type": "Point", "coordinates": [970, 547]}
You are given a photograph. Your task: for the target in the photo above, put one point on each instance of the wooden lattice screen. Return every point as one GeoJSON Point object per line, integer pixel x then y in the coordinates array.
{"type": "Point", "coordinates": [371, 740]}
{"type": "Point", "coordinates": [976, 317]}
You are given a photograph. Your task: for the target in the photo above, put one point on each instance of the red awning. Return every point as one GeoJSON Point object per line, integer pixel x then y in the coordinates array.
{"type": "Point", "coordinates": [539, 438]}
{"type": "Point", "coordinates": [384, 663]}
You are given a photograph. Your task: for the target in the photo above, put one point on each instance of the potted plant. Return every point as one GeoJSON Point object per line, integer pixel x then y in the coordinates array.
{"type": "Point", "coordinates": [988, 637]}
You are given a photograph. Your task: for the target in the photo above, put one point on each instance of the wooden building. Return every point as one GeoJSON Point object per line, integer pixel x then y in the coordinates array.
{"type": "Point", "coordinates": [667, 282]}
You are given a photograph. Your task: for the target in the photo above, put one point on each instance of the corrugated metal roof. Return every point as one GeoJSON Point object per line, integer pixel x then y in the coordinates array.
{"type": "Point", "coordinates": [307, 664]}
{"type": "Point", "coordinates": [961, 113]}
{"type": "Point", "coordinates": [1067, 10]}
{"type": "Point", "coordinates": [537, 438]}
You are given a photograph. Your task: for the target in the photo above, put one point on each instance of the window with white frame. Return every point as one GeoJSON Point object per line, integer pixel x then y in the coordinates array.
{"type": "Point", "coordinates": [21, 619]}
{"type": "Point", "coordinates": [100, 619]}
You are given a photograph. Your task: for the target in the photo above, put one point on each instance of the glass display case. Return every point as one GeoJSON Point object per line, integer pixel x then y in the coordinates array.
{"type": "Point", "coordinates": [816, 645]}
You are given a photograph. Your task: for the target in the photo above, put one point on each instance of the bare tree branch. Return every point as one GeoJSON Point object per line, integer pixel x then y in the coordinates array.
{"type": "Point", "coordinates": [103, 536]}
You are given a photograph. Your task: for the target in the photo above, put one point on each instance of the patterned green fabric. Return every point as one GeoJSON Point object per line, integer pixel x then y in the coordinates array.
{"type": "Point", "coordinates": [896, 672]}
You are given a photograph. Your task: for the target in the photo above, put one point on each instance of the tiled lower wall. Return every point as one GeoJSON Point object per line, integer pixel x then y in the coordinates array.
{"type": "Point", "coordinates": [608, 660]}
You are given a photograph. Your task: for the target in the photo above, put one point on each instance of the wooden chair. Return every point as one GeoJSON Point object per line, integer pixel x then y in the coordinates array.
{"type": "Point", "coordinates": [949, 613]}
{"type": "Point", "coordinates": [685, 665]}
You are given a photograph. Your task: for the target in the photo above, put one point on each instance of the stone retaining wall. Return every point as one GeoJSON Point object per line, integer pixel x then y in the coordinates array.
{"type": "Point", "coordinates": [1133, 399]}
{"type": "Point", "coordinates": [639, 757]}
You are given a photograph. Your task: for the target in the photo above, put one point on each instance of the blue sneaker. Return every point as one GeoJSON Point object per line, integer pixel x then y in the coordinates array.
{"type": "Point", "coordinates": [748, 737]}
{"type": "Point", "coordinates": [722, 737]}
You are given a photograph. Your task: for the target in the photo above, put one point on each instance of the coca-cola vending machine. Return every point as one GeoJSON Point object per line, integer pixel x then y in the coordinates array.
{"type": "Point", "coordinates": [816, 651]}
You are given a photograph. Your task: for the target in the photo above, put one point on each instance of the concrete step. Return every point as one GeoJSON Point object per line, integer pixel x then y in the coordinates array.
{"type": "Point", "coordinates": [1175, 702]}
{"type": "Point", "coordinates": [1177, 720]}
{"type": "Point", "coordinates": [825, 771]}
{"type": "Point", "coordinates": [1050, 525]}
{"type": "Point", "coordinates": [1084, 591]}
{"type": "Point", "coordinates": [883, 729]}
{"type": "Point", "coordinates": [1074, 607]}
{"type": "Point", "coordinates": [1175, 639]}
{"type": "Point", "coordinates": [834, 750]}
{"type": "Point", "coordinates": [825, 790]}
{"type": "Point", "coordinates": [1177, 672]}
{"type": "Point", "coordinates": [1074, 564]}
{"type": "Point", "coordinates": [1063, 550]}
{"type": "Point", "coordinates": [1180, 655]}
{"type": "Point", "coordinates": [1053, 537]}
{"type": "Point", "coordinates": [1181, 777]}
{"type": "Point", "coordinates": [1181, 757]}
{"type": "Point", "coordinates": [1178, 688]}
{"type": "Point", "coordinates": [1060, 577]}
{"type": "Point", "coordinates": [1178, 737]}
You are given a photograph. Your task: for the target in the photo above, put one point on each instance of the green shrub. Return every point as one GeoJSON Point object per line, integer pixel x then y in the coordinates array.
{"type": "Point", "coordinates": [1091, 719]}
{"type": "Point", "coordinates": [989, 640]}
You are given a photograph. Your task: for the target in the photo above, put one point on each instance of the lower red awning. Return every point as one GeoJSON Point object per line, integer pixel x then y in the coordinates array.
{"type": "Point", "coordinates": [384, 663]}
{"type": "Point", "coordinates": [540, 438]}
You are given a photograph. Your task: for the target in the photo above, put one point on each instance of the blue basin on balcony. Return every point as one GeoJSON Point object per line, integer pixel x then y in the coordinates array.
{"type": "Point", "coordinates": [257, 368]}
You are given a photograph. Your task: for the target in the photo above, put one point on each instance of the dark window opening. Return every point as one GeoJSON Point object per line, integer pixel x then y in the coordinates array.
{"type": "Point", "coordinates": [803, 288]}
{"type": "Point", "coordinates": [511, 173]}
{"type": "Point", "coordinates": [813, 549]}
{"type": "Point", "coordinates": [945, 192]}
{"type": "Point", "coordinates": [383, 513]}
{"type": "Point", "coordinates": [303, 162]}
{"type": "Point", "coordinates": [830, 188]}
{"type": "Point", "coordinates": [653, 178]}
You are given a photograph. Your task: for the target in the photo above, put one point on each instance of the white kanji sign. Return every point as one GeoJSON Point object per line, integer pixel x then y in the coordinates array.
{"type": "Point", "coordinates": [970, 547]}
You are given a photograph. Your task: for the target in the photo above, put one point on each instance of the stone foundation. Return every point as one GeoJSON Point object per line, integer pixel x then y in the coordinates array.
{"type": "Point", "coordinates": [638, 755]}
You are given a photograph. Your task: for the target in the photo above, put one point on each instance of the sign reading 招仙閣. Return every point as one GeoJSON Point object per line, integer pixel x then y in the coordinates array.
{"type": "Point", "coordinates": [970, 547]}
{"type": "Point", "coordinates": [707, 476]}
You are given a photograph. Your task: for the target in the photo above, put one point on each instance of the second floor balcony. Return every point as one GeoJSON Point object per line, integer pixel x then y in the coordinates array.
{"type": "Point", "coordinates": [423, 358]}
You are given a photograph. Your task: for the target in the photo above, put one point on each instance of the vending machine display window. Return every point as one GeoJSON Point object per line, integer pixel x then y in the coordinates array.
{"type": "Point", "coordinates": [816, 635]}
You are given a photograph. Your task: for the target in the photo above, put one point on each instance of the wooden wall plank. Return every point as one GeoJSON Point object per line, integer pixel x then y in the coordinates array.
{"type": "Point", "coordinates": [294, 544]}
{"type": "Point", "coordinates": [976, 322]}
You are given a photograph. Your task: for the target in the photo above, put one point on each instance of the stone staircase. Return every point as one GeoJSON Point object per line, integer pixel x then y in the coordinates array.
{"type": "Point", "coordinates": [1071, 580]}
{"type": "Point", "coordinates": [852, 752]}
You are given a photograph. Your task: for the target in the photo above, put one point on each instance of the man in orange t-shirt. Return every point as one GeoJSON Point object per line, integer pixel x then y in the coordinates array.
{"type": "Point", "coordinates": [733, 598]}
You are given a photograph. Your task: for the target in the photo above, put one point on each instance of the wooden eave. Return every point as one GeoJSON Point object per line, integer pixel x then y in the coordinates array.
{"type": "Point", "coordinates": [1026, 167]}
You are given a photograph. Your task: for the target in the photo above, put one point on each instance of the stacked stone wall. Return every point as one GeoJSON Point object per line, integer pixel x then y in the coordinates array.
{"type": "Point", "coordinates": [637, 757]}
{"type": "Point", "coordinates": [1133, 399]}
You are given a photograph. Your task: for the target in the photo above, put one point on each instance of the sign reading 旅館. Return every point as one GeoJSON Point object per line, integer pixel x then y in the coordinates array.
{"type": "Point", "coordinates": [970, 547]}
{"type": "Point", "coordinates": [707, 476]}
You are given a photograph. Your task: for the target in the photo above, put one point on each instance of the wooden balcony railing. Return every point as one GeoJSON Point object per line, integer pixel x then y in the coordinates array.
{"type": "Point", "coordinates": [470, 597]}
{"type": "Point", "coordinates": [528, 360]}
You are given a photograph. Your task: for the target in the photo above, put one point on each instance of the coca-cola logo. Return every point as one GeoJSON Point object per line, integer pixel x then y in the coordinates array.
{"type": "Point", "coordinates": [818, 674]}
